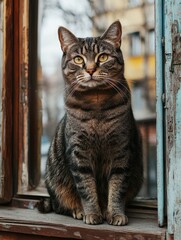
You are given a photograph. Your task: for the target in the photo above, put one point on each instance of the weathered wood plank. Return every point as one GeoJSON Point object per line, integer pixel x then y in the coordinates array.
{"type": "Point", "coordinates": [31, 222]}
{"type": "Point", "coordinates": [23, 44]}
{"type": "Point", "coordinates": [6, 104]}
{"type": "Point", "coordinates": [18, 236]}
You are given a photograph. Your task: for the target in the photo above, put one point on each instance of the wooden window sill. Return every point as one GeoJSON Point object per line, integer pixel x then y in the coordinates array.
{"type": "Point", "coordinates": [31, 222]}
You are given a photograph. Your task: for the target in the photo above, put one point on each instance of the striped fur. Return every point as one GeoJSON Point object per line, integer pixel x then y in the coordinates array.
{"type": "Point", "coordinates": [94, 165]}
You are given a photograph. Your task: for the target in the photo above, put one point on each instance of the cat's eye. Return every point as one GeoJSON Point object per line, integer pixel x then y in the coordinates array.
{"type": "Point", "coordinates": [78, 60]}
{"type": "Point", "coordinates": [103, 57]}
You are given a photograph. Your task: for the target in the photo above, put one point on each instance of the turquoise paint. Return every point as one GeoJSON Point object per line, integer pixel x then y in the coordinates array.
{"type": "Point", "coordinates": [169, 102]}
{"type": "Point", "coordinates": [178, 146]}
{"type": "Point", "coordinates": [159, 109]}
{"type": "Point", "coordinates": [173, 119]}
{"type": "Point", "coordinates": [177, 209]}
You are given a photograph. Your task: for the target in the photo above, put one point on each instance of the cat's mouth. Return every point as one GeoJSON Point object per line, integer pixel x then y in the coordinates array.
{"type": "Point", "coordinates": [92, 82]}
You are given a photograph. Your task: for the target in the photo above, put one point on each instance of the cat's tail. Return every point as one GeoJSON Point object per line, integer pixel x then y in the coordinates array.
{"type": "Point", "coordinates": [45, 205]}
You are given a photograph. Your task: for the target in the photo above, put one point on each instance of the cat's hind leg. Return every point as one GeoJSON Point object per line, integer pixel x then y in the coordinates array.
{"type": "Point", "coordinates": [69, 202]}
{"type": "Point", "coordinates": [78, 213]}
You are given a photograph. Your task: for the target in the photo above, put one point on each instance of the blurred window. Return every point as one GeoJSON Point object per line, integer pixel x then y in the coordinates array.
{"type": "Point", "coordinates": [151, 40]}
{"type": "Point", "coordinates": [134, 3]}
{"type": "Point", "coordinates": [135, 44]}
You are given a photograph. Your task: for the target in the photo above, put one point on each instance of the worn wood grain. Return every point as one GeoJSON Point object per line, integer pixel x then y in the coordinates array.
{"type": "Point", "coordinates": [18, 236]}
{"type": "Point", "coordinates": [31, 222]}
{"type": "Point", "coordinates": [6, 95]}
{"type": "Point", "coordinates": [23, 119]}
{"type": "Point", "coordinates": [16, 90]}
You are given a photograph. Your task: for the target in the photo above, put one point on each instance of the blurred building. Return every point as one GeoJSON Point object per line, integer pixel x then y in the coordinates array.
{"type": "Point", "coordinates": [137, 19]}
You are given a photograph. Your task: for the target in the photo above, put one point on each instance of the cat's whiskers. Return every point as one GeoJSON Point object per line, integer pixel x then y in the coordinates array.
{"type": "Point", "coordinates": [119, 90]}
{"type": "Point", "coordinates": [80, 77]}
{"type": "Point", "coordinates": [115, 88]}
{"type": "Point", "coordinates": [127, 92]}
{"type": "Point", "coordinates": [123, 85]}
{"type": "Point", "coordinates": [103, 74]}
{"type": "Point", "coordinates": [72, 89]}
{"type": "Point", "coordinates": [76, 83]}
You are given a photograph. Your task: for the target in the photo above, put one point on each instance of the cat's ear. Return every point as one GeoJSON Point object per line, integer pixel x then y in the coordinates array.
{"type": "Point", "coordinates": [66, 38]}
{"type": "Point", "coordinates": [113, 34]}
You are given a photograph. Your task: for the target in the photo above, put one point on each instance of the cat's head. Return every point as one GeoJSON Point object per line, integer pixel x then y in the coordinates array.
{"type": "Point", "coordinates": [92, 62]}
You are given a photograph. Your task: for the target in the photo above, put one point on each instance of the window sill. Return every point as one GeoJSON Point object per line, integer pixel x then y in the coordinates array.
{"type": "Point", "coordinates": [26, 221]}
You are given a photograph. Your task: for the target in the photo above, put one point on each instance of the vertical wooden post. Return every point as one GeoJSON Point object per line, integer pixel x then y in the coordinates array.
{"type": "Point", "coordinates": [23, 123]}
{"type": "Point", "coordinates": [34, 123]}
{"type": "Point", "coordinates": [159, 109]}
{"type": "Point", "coordinates": [6, 102]}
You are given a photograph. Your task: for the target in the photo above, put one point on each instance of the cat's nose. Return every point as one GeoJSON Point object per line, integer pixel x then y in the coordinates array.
{"type": "Point", "coordinates": [90, 70]}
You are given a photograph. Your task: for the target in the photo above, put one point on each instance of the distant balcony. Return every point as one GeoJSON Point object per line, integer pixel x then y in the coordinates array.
{"type": "Point", "coordinates": [135, 67]}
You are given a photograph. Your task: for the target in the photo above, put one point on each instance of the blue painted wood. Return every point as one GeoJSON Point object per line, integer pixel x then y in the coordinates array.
{"type": "Point", "coordinates": [159, 108]}
{"type": "Point", "coordinates": [173, 119]}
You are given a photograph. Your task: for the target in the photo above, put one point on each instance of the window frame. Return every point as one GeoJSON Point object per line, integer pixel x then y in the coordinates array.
{"type": "Point", "coordinates": [15, 107]}
{"type": "Point", "coordinates": [21, 97]}
{"type": "Point", "coordinates": [160, 113]}
{"type": "Point", "coordinates": [23, 101]}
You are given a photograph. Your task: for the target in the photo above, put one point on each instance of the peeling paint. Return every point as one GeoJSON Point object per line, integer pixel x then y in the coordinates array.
{"type": "Point", "coordinates": [36, 228]}
{"type": "Point", "coordinates": [6, 226]}
{"type": "Point", "coordinates": [173, 115]}
{"type": "Point", "coordinates": [77, 234]}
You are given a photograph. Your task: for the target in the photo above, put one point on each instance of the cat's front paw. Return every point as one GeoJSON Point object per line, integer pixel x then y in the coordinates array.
{"type": "Point", "coordinates": [93, 219]}
{"type": "Point", "coordinates": [78, 214]}
{"type": "Point", "coordinates": [117, 219]}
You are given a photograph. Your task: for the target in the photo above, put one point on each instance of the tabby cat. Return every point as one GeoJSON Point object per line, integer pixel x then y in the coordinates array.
{"type": "Point", "coordinates": [94, 164]}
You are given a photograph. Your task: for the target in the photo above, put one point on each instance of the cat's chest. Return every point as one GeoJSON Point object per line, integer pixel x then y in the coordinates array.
{"type": "Point", "coordinates": [100, 123]}
{"type": "Point", "coordinates": [99, 130]}
{"type": "Point", "coordinates": [98, 127]}
{"type": "Point", "coordinates": [95, 128]}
